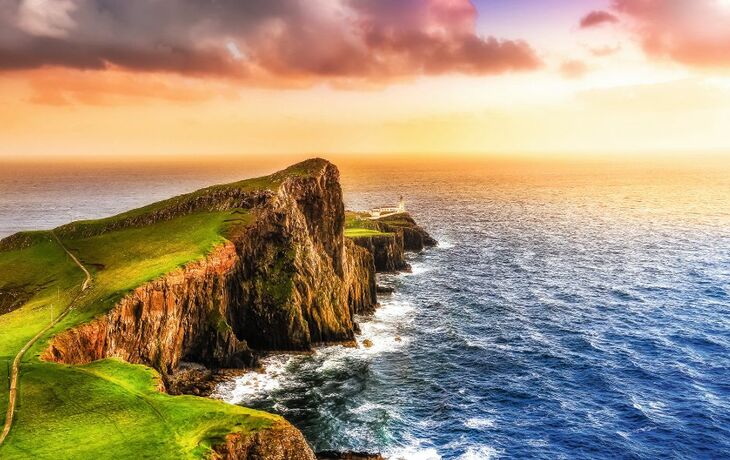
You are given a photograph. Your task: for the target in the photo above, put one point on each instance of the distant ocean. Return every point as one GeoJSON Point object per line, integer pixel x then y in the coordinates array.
{"type": "Point", "coordinates": [582, 313]}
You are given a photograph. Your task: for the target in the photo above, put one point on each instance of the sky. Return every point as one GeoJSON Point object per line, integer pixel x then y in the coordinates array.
{"type": "Point", "coordinates": [186, 78]}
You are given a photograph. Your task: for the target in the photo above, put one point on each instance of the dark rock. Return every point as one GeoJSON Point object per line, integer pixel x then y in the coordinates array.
{"type": "Point", "coordinates": [387, 251]}
{"type": "Point", "coordinates": [414, 237]}
{"type": "Point", "coordinates": [280, 442]}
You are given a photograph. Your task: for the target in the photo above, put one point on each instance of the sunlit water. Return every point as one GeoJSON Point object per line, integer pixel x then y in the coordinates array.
{"type": "Point", "coordinates": [563, 315]}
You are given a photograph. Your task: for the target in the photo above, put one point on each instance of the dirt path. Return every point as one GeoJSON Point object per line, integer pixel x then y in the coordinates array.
{"type": "Point", "coordinates": [15, 371]}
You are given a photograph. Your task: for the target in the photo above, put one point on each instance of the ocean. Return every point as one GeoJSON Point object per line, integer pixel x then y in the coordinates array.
{"type": "Point", "coordinates": [577, 312]}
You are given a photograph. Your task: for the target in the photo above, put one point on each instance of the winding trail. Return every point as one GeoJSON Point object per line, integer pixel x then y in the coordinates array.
{"type": "Point", "coordinates": [15, 371]}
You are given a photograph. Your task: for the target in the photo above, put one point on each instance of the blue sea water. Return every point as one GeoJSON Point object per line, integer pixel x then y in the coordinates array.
{"type": "Point", "coordinates": [565, 314]}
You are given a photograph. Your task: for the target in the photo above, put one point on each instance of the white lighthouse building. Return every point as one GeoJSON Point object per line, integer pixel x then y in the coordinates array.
{"type": "Point", "coordinates": [377, 213]}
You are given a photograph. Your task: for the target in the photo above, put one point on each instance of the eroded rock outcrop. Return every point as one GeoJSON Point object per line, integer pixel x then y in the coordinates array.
{"type": "Point", "coordinates": [361, 285]}
{"type": "Point", "coordinates": [400, 233]}
{"type": "Point", "coordinates": [414, 237]}
{"type": "Point", "coordinates": [280, 442]}
{"type": "Point", "coordinates": [387, 250]}
{"type": "Point", "coordinates": [286, 282]}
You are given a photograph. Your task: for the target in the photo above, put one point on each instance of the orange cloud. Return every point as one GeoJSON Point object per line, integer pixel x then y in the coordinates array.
{"type": "Point", "coordinates": [573, 68]}
{"type": "Point", "coordinates": [694, 33]}
{"type": "Point", "coordinates": [60, 86]}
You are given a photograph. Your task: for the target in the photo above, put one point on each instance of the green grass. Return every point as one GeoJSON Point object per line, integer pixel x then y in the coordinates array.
{"type": "Point", "coordinates": [125, 259]}
{"type": "Point", "coordinates": [111, 409]}
{"type": "Point", "coordinates": [182, 203]}
{"type": "Point", "coordinates": [355, 220]}
{"type": "Point", "coordinates": [84, 412]}
{"type": "Point", "coordinates": [358, 225]}
{"type": "Point", "coordinates": [361, 232]}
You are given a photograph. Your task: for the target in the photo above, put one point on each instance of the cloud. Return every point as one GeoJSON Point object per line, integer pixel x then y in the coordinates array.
{"type": "Point", "coordinates": [694, 33]}
{"type": "Point", "coordinates": [62, 87]}
{"type": "Point", "coordinates": [573, 69]}
{"type": "Point", "coordinates": [258, 40]}
{"type": "Point", "coordinates": [50, 18]}
{"type": "Point", "coordinates": [597, 18]}
{"type": "Point", "coordinates": [603, 51]}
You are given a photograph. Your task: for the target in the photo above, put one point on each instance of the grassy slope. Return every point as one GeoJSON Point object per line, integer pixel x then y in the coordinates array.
{"type": "Point", "coordinates": [111, 409]}
{"type": "Point", "coordinates": [358, 225]}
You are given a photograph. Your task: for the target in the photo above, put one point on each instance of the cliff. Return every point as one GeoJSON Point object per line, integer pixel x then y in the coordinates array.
{"type": "Point", "coordinates": [387, 249]}
{"type": "Point", "coordinates": [279, 275]}
{"type": "Point", "coordinates": [286, 282]}
{"type": "Point", "coordinates": [388, 238]}
{"type": "Point", "coordinates": [414, 237]}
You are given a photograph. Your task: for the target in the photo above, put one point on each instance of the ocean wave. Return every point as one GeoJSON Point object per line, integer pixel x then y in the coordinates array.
{"type": "Point", "coordinates": [479, 453]}
{"type": "Point", "coordinates": [254, 384]}
{"type": "Point", "coordinates": [418, 268]}
{"type": "Point", "coordinates": [479, 423]}
{"type": "Point", "coordinates": [413, 453]}
{"type": "Point", "coordinates": [379, 334]}
{"type": "Point", "coordinates": [445, 244]}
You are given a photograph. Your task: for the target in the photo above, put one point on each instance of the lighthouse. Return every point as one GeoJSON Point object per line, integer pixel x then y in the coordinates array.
{"type": "Point", "coordinates": [377, 213]}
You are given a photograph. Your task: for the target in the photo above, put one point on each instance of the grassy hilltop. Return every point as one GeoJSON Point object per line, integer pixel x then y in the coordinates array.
{"type": "Point", "coordinates": [358, 224]}
{"type": "Point", "coordinates": [110, 409]}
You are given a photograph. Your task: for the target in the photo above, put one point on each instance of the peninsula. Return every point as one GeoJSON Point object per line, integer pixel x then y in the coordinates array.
{"type": "Point", "coordinates": [96, 316]}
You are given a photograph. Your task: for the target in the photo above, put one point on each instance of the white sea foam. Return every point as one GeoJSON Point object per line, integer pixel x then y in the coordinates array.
{"type": "Point", "coordinates": [413, 453]}
{"type": "Point", "coordinates": [381, 330]}
{"type": "Point", "coordinates": [479, 423]}
{"type": "Point", "coordinates": [651, 409]}
{"type": "Point", "coordinates": [418, 268]}
{"type": "Point", "coordinates": [254, 384]}
{"type": "Point", "coordinates": [445, 244]}
{"type": "Point", "coordinates": [479, 453]}
{"type": "Point", "coordinates": [485, 343]}
{"type": "Point", "coordinates": [367, 407]}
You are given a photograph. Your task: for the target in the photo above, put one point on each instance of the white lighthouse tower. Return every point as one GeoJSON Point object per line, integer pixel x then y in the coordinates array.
{"type": "Point", "coordinates": [401, 205]}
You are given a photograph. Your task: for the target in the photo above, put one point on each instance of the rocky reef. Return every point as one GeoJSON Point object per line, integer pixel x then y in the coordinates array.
{"type": "Point", "coordinates": [288, 281]}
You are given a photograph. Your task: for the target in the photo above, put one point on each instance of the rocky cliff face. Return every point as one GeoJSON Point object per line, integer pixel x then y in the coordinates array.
{"type": "Point", "coordinates": [287, 282]}
{"type": "Point", "coordinates": [414, 237]}
{"type": "Point", "coordinates": [403, 234]}
{"type": "Point", "coordinates": [387, 250]}
{"type": "Point", "coordinates": [360, 284]}
{"type": "Point", "coordinates": [177, 316]}
{"type": "Point", "coordinates": [281, 442]}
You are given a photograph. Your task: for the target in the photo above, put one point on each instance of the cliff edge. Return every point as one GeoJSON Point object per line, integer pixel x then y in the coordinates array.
{"type": "Point", "coordinates": [213, 277]}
